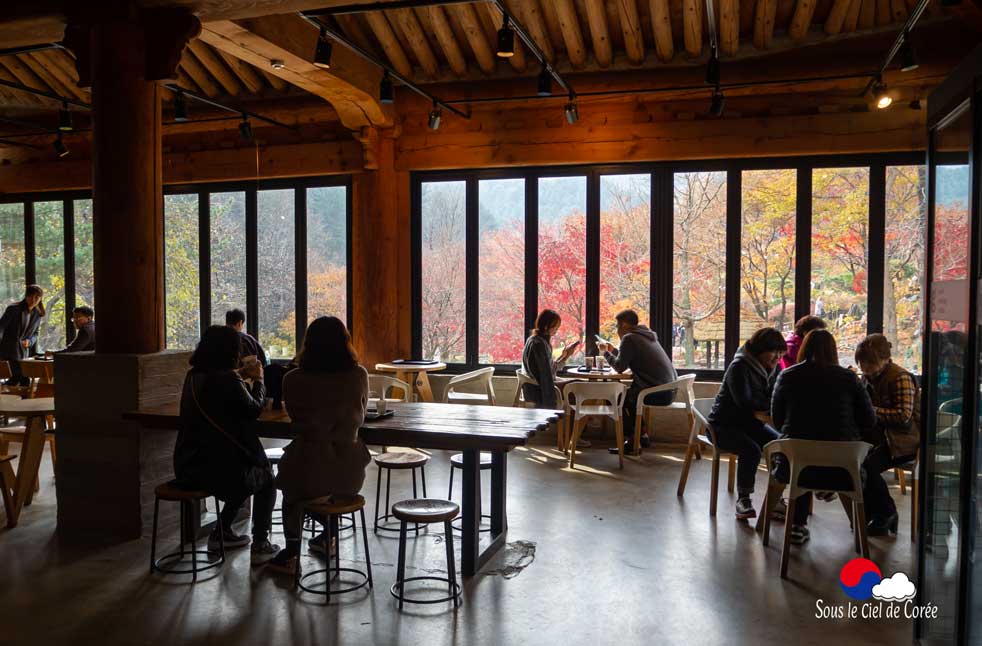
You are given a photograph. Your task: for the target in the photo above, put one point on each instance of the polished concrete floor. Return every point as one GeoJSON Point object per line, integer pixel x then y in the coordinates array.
{"type": "Point", "coordinates": [618, 559]}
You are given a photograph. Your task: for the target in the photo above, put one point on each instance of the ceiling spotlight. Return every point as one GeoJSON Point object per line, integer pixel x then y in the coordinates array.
{"type": "Point", "coordinates": [386, 93]}
{"type": "Point", "coordinates": [908, 57]}
{"type": "Point", "coordinates": [65, 118]}
{"type": "Point", "coordinates": [881, 95]}
{"type": "Point", "coordinates": [322, 54]}
{"type": "Point", "coordinates": [717, 104]}
{"type": "Point", "coordinates": [245, 128]}
{"type": "Point", "coordinates": [60, 148]}
{"type": "Point", "coordinates": [277, 64]}
{"type": "Point", "coordinates": [712, 68]}
{"type": "Point", "coordinates": [572, 114]}
{"type": "Point", "coordinates": [506, 40]}
{"type": "Point", "coordinates": [436, 115]}
{"type": "Point", "coordinates": [180, 107]}
{"type": "Point", "coordinates": [545, 82]}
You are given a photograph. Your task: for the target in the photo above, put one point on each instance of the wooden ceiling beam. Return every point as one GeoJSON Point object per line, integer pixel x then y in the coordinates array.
{"type": "Point", "coordinates": [852, 16]}
{"type": "Point", "coordinates": [407, 21]}
{"type": "Point", "coordinates": [185, 80]}
{"type": "Point", "coordinates": [837, 16]}
{"type": "Point", "coordinates": [274, 81]}
{"type": "Point", "coordinates": [469, 21]}
{"type": "Point", "coordinates": [627, 10]}
{"type": "Point", "coordinates": [569, 24]}
{"type": "Point", "coordinates": [40, 68]}
{"type": "Point", "coordinates": [898, 11]}
{"type": "Point", "coordinates": [729, 26]}
{"type": "Point", "coordinates": [448, 42]}
{"type": "Point", "coordinates": [197, 71]}
{"type": "Point", "coordinates": [692, 23]}
{"type": "Point", "coordinates": [380, 26]}
{"type": "Point", "coordinates": [23, 74]}
{"type": "Point", "coordinates": [216, 68]}
{"type": "Point", "coordinates": [804, 10]}
{"type": "Point", "coordinates": [350, 86]}
{"type": "Point", "coordinates": [551, 16]}
{"type": "Point", "coordinates": [661, 25]}
{"type": "Point", "coordinates": [25, 98]}
{"type": "Point", "coordinates": [596, 14]}
{"type": "Point", "coordinates": [62, 65]}
{"type": "Point", "coordinates": [883, 17]}
{"type": "Point", "coordinates": [530, 13]}
{"type": "Point", "coordinates": [247, 74]}
{"type": "Point", "coordinates": [353, 29]}
{"type": "Point", "coordinates": [867, 15]}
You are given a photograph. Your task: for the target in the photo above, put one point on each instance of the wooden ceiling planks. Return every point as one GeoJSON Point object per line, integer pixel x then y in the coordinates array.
{"type": "Point", "coordinates": [446, 39]}
{"type": "Point", "coordinates": [603, 51]}
{"type": "Point", "coordinates": [379, 23]}
{"type": "Point", "coordinates": [246, 73]}
{"type": "Point", "coordinates": [627, 10]}
{"type": "Point", "coordinates": [475, 36]}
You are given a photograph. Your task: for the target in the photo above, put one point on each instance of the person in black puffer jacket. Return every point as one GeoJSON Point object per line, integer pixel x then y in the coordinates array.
{"type": "Point", "coordinates": [742, 408]}
{"type": "Point", "coordinates": [817, 399]}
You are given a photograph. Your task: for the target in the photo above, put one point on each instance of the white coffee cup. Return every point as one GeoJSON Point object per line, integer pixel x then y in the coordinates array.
{"type": "Point", "coordinates": [381, 406]}
{"type": "Point", "coordinates": [589, 363]}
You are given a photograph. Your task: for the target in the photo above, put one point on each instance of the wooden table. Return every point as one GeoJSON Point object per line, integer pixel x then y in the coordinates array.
{"type": "Point", "coordinates": [34, 411]}
{"type": "Point", "coordinates": [414, 374]}
{"type": "Point", "coordinates": [455, 427]}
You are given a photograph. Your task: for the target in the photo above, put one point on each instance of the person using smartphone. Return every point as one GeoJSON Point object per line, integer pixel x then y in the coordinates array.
{"type": "Point", "coordinates": [539, 363]}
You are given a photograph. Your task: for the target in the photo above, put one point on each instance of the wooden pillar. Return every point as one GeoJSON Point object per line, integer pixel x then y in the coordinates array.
{"type": "Point", "coordinates": [380, 246]}
{"type": "Point", "coordinates": [127, 198]}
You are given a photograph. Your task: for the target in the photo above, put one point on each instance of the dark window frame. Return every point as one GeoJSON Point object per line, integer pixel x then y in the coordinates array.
{"type": "Point", "coordinates": [662, 223]}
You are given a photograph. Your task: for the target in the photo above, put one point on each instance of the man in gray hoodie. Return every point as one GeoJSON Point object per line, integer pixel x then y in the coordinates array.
{"type": "Point", "coordinates": [642, 353]}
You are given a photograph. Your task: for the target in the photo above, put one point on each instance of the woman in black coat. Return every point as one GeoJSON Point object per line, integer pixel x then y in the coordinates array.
{"type": "Point", "coordinates": [217, 449]}
{"type": "Point", "coordinates": [19, 330]}
{"type": "Point", "coordinates": [817, 399]}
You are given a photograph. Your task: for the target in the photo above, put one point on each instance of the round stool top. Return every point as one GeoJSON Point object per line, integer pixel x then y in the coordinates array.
{"type": "Point", "coordinates": [401, 460]}
{"type": "Point", "coordinates": [425, 510]}
{"type": "Point", "coordinates": [336, 507]}
{"type": "Point", "coordinates": [274, 455]}
{"type": "Point", "coordinates": [171, 491]}
{"type": "Point", "coordinates": [457, 460]}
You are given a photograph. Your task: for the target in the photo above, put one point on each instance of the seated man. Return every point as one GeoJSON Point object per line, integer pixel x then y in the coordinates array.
{"type": "Point", "coordinates": [642, 353]}
{"type": "Point", "coordinates": [84, 331]}
{"type": "Point", "coordinates": [248, 345]}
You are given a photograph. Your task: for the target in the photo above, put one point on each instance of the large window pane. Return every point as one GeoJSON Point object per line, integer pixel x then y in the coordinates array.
{"type": "Point", "coordinates": [84, 274]}
{"type": "Point", "coordinates": [906, 214]}
{"type": "Point", "coordinates": [443, 270]}
{"type": "Point", "coordinates": [501, 208]}
{"type": "Point", "coordinates": [699, 277]}
{"type": "Point", "coordinates": [49, 232]}
{"type": "Point", "coordinates": [228, 255]}
{"type": "Point", "coordinates": [625, 248]}
{"type": "Point", "coordinates": [12, 255]}
{"type": "Point", "coordinates": [562, 256]}
{"type": "Point", "coordinates": [767, 260]}
{"type": "Point", "coordinates": [181, 271]}
{"type": "Point", "coordinates": [840, 234]}
{"type": "Point", "coordinates": [327, 255]}
{"type": "Point", "coordinates": [276, 226]}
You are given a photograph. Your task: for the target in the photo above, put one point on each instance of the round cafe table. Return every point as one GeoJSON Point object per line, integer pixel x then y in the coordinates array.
{"type": "Point", "coordinates": [596, 375]}
{"type": "Point", "coordinates": [34, 412]}
{"type": "Point", "coordinates": [414, 374]}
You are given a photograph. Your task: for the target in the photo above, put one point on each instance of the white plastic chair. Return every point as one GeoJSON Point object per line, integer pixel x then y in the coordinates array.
{"type": "Point", "coordinates": [802, 454]}
{"type": "Point", "coordinates": [700, 420]}
{"type": "Point", "coordinates": [683, 385]}
{"type": "Point", "coordinates": [612, 396]}
{"type": "Point", "coordinates": [384, 385]}
{"type": "Point", "coordinates": [523, 378]}
{"type": "Point", "coordinates": [481, 377]}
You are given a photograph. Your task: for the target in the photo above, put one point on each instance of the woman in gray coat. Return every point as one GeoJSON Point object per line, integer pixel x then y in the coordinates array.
{"type": "Point", "coordinates": [538, 363]}
{"type": "Point", "coordinates": [326, 398]}
{"type": "Point", "coordinates": [19, 330]}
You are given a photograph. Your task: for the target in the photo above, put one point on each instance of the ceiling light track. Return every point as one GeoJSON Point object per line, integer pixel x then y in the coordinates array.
{"type": "Point", "coordinates": [27, 49]}
{"type": "Point", "coordinates": [898, 44]}
{"type": "Point", "coordinates": [244, 114]}
{"type": "Point", "coordinates": [50, 95]}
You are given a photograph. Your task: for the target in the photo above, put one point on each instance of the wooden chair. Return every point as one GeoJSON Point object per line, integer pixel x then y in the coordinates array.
{"type": "Point", "coordinates": [682, 384]}
{"type": "Point", "coordinates": [700, 412]}
{"type": "Point", "coordinates": [480, 377]}
{"type": "Point", "coordinates": [802, 454]}
{"type": "Point", "coordinates": [41, 374]}
{"type": "Point", "coordinates": [6, 483]}
{"type": "Point", "coordinates": [611, 394]}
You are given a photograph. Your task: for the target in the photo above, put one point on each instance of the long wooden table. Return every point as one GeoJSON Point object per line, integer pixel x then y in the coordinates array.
{"type": "Point", "coordinates": [454, 427]}
{"type": "Point", "coordinates": [34, 411]}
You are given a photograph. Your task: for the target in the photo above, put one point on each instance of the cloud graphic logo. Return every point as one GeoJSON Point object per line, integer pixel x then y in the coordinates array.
{"type": "Point", "coordinates": [858, 577]}
{"type": "Point", "coordinates": [896, 588]}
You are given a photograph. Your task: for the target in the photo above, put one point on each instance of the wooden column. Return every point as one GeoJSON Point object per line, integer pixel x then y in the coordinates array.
{"type": "Point", "coordinates": [127, 198]}
{"type": "Point", "coordinates": [380, 241]}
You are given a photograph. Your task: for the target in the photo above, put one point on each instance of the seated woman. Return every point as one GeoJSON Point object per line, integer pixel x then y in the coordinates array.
{"type": "Point", "coordinates": [326, 398]}
{"type": "Point", "coordinates": [801, 329]}
{"type": "Point", "coordinates": [817, 399]}
{"type": "Point", "coordinates": [537, 360]}
{"type": "Point", "coordinates": [741, 409]}
{"type": "Point", "coordinates": [217, 449]}
{"type": "Point", "coordinates": [896, 435]}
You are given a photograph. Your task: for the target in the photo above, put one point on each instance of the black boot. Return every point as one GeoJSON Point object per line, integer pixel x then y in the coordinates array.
{"type": "Point", "coordinates": [883, 526]}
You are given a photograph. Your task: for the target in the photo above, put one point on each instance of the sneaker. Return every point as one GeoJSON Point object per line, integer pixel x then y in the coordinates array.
{"type": "Point", "coordinates": [799, 535]}
{"type": "Point", "coordinates": [628, 448]}
{"type": "Point", "coordinates": [826, 496]}
{"type": "Point", "coordinates": [645, 441]}
{"type": "Point", "coordinates": [583, 444]}
{"type": "Point", "coordinates": [262, 551]}
{"type": "Point", "coordinates": [318, 545]}
{"type": "Point", "coordinates": [780, 510]}
{"type": "Point", "coordinates": [231, 539]}
{"type": "Point", "coordinates": [745, 509]}
{"type": "Point", "coordinates": [283, 563]}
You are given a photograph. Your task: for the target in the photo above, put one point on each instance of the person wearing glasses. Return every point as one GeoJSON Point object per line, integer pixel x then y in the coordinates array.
{"type": "Point", "coordinates": [84, 331]}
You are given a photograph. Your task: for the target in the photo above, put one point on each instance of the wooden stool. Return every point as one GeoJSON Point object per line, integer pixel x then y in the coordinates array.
{"type": "Point", "coordinates": [457, 462]}
{"type": "Point", "coordinates": [333, 511]}
{"type": "Point", "coordinates": [7, 474]}
{"type": "Point", "coordinates": [390, 462]}
{"type": "Point", "coordinates": [170, 491]}
{"type": "Point", "coordinates": [426, 511]}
